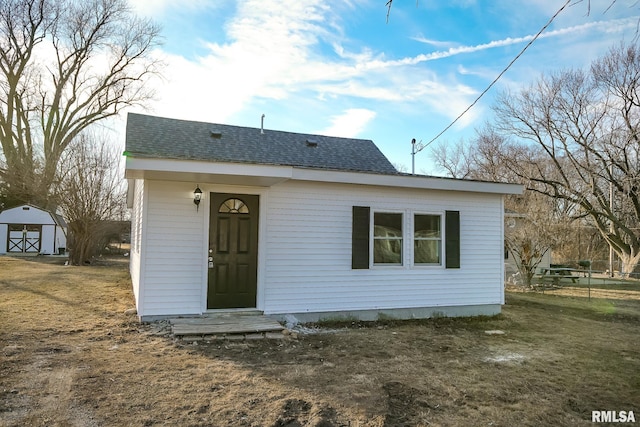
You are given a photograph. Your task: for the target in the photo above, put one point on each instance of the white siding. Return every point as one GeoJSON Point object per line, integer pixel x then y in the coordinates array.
{"type": "Point", "coordinates": [135, 264]}
{"type": "Point", "coordinates": [305, 249]}
{"type": "Point", "coordinates": [4, 229]}
{"type": "Point", "coordinates": [61, 238]}
{"type": "Point", "coordinates": [47, 240]}
{"type": "Point", "coordinates": [172, 245]}
{"type": "Point", "coordinates": [308, 259]}
{"type": "Point", "coordinates": [53, 237]}
{"type": "Point", "coordinates": [25, 215]}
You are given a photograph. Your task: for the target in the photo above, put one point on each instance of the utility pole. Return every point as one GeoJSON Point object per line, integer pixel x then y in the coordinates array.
{"type": "Point", "coordinates": [416, 147]}
{"type": "Point", "coordinates": [610, 221]}
{"type": "Point", "coordinates": [413, 156]}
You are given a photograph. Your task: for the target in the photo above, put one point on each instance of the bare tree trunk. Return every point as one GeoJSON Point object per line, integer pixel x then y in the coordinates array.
{"type": "Point", "coordinates": [629, 263]}
{"type": "Point", "coordinates": [45, 103]}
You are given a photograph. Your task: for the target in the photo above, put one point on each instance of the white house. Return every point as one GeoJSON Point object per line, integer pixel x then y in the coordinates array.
{"type": "Point", "coordinates": [513, 220]}
{"type": "Point", "coordinates": [28, 229]}
{"type": "Point", "coordinates": [308, 225]}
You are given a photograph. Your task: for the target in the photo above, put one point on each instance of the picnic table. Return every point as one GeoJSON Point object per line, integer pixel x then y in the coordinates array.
{"type": "Point", "coordinates": [557, 272]}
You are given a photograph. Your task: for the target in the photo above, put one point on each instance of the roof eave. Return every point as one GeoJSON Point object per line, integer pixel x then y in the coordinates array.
{"type": "Point", "coordinates": [407, 181]}
{"type": "Point", "coordinates": [269, 175]}
{"type": "Point", "coordinates": [206, 172]}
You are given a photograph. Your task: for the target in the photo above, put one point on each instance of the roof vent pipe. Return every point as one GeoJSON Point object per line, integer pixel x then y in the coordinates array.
{"type": "Point", "coordinates": [262, 124]}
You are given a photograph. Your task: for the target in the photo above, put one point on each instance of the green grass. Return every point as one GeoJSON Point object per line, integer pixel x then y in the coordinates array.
{"type": "Point", "coordinates": [595, 308]}
{"type": "Point", "coordinates": [607, 283]}
{"type": "Point", "coordinates": [599, 283]}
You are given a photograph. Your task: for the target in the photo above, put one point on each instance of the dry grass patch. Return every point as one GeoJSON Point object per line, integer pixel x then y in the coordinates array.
{"type": "Point", "coordinates": [69, 356]}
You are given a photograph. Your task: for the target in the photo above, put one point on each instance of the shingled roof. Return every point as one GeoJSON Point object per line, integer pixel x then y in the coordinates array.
{"type": "Point", "coordinates": [163, 138]}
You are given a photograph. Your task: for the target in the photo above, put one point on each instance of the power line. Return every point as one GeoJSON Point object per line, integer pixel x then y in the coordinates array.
{"type": "Point", "coordinates": [499, 75]}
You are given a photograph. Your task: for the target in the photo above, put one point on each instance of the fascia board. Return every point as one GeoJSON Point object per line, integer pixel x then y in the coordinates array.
{"type": "Point", "coordinates": [200, 171]}
{"type": "Point", "coordinates": [268, 175]}
{"type": "Point", "coordinates": [405, 181]}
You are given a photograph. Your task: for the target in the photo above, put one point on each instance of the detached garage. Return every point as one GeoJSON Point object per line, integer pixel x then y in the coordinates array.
{"type": "Point", "coordinates": [28, 229]}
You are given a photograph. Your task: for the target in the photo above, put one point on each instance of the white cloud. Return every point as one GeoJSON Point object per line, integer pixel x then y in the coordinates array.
{"type": "Point", "coordinates": [350, 123]}
{"type": "Point", "coordinates": [157, 8]}
{"type": "Point", "coordinates": [273, 51]}
{"type": "Point", "coordinates": [268, 54]}
{"type": "Point", "coordinates": [437, 43]}
{"type": "Point", "coordinates": [617, 25]}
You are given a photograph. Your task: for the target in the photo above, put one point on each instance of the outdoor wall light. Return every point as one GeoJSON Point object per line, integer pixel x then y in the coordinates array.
{"type": "Point", "coordinates": [197, 196]}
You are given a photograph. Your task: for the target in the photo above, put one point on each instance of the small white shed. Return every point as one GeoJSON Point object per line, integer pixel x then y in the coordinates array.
{"type": "Point", "coordinates": [28, 229]}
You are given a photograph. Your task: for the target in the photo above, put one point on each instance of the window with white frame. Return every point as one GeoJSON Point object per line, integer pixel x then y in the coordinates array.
{"type": "Point", "coordinates": [427, 239]}
{"type": "Point", "coordinates": [387, 238]}
{"type": "Point", "coordinates": [436, 239]}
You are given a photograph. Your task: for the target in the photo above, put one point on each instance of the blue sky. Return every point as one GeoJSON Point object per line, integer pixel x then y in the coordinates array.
{"type": "Point", "coordinates": [338, 68]}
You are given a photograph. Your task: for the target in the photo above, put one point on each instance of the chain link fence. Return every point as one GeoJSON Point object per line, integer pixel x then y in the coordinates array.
{"type": "Point", "coordinates": [600, 267]}
{"type": "Point", "coordinates": [582, 278]}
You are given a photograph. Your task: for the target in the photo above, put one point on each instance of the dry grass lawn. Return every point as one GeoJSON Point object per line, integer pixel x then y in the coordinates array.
{"type": "Point", "coordinates": [69, 356]}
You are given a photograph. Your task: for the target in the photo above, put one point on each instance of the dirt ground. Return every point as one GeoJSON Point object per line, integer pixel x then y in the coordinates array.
{"type": "Point", "coordinates": [70, 356]}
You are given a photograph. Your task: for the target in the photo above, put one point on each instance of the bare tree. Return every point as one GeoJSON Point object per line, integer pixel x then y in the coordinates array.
{"type": "Point", "coordinates": [536, 230]}
{"type": "Point", "coordinates": [456, 160]}
{"type": "Point", "coordinates": [64, 65]}
{"type": "Point", "coordinates": [401, 168]}
{"type": "Point", "coordinates": [581, 242]}
{"type": "Point", "coordinates": [91, 194]}
{"type": "Point", "coordinates": [482, 158]}
{"type": "Point", "coordinates": [537, 223]}
{"type": "Point", "coordinates": [583, 129]}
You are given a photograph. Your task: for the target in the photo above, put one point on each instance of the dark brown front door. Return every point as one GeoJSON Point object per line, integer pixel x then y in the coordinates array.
{"type": "Point", "coordinates": [233, 251]}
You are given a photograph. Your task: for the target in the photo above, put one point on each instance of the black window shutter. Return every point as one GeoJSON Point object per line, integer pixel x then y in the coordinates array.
{"type": "Point", "coordinates": [360, 238]}
{"type": "Point", "coordinates": [452, 239]}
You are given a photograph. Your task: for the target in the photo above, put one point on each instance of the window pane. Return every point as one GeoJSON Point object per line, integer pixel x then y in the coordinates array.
{"type": "Point", "coordinates": [387, 251]}
{"type": "Point", "coordinates": [386, 223]}
{"type": "Point", "coordinates": [387, 238]}
{"type": "Point", "coordinates": [427, 239]}
{"type": "Point", "coordinates": [426, 251]}
{"type": "Point", "coordinates": [427, 226]}
{"type": "Point", "coordinates": [233, 206]}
